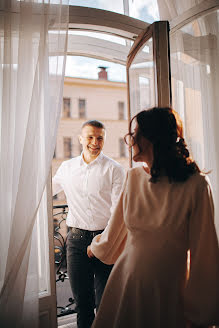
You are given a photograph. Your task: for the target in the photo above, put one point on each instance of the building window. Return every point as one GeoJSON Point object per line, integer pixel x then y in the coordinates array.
{"type": "Point", "coordinates": [67, 147]}
{"type": "Point", "coordinates": [66, 111]}
{"type": "Point", "coordinates": [82, 108]}
{"type": "Point", "coordinates": [122, 148]}
{"type": "Point", "coordinates": [79, 148]}
{"type": "Point", "coordinates": [121, 107]}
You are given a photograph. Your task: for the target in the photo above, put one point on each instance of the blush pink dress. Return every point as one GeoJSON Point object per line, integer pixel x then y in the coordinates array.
{"type": "Point", "coordinates": [148, 238]}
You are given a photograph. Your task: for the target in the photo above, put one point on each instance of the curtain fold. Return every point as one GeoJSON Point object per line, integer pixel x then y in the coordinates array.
{"type": "Point", "coordinates": [33, 45]}
{"type": "Point", "coordinates": [194, 50]}
{"type": "Point", "coordinates": [194, 64]}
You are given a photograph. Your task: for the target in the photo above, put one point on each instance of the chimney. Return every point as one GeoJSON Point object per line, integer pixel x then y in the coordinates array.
{"type": "Point", "coordinates": [102, 74]}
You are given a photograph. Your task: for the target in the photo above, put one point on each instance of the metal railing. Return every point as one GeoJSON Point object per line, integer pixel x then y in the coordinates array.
{"type": "Point", "coordinates": [60, 237]}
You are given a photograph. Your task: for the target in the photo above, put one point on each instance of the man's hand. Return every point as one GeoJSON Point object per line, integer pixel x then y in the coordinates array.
{"type": "Point", "coordinates": [89, 252]}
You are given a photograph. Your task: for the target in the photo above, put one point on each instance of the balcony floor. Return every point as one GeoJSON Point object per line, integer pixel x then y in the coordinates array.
{"type": "Point", "coordinates": [67, 321]}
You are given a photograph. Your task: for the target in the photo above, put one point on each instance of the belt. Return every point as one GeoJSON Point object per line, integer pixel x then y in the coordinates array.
{"type": "Point", "coordinates": [85, 233]}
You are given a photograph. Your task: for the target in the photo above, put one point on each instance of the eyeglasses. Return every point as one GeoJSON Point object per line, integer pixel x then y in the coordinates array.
{"type": "Point", "coordinates": [130, 139]}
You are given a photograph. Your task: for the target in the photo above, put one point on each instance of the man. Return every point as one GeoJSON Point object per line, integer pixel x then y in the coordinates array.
{"type": "Point", "coordinates": [92, 183]}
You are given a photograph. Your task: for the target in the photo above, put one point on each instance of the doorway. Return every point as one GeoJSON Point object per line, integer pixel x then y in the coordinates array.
{"type": "Point", "coordinates": [146, 58]}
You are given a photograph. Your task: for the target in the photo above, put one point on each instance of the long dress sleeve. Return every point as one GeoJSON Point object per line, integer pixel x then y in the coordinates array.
{"type": "Point", "coordinates": [109, 245]}
{"type": "Point", "coordinates": [202, 289]}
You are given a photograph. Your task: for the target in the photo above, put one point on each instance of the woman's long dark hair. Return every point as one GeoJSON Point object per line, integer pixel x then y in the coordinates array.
{"type": "Point", "coordinates": [163, 128]}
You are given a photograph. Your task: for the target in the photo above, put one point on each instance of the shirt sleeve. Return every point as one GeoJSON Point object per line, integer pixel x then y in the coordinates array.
{"type": "Point", "coordinates": [57, 180]}
{"type": "Point", "coordinates": [109, 245]}
{"type": "Point", "coordinates": [117, 184]}
{"type": "Point", "coordinates": [202, 288]}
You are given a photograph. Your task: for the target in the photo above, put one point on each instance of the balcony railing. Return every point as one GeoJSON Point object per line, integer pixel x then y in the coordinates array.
{"type": "Point", "coordinates": [65, 304]}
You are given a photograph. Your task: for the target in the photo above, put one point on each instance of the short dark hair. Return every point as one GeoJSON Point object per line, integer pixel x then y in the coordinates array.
{"type": "Point", "coordinates": [95, 123]}
{"type": "Point", "coordinates": [163, 128]}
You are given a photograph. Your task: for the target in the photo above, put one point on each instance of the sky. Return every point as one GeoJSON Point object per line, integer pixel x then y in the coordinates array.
{"type": "Point", "coordinates": [85, 67]}
{"type": "Point", "coordinates": [146, 10]}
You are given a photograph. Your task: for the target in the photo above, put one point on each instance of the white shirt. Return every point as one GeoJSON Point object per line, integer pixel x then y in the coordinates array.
{"type": "Point", "coordinates": [92, 190]}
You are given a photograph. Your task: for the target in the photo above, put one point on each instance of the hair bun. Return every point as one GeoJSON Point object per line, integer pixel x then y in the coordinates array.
{"type": "Point", "coordinates": [182, 147]}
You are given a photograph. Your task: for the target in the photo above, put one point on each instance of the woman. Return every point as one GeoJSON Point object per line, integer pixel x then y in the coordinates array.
{"type": "Point", "coordinates": [164, 210]}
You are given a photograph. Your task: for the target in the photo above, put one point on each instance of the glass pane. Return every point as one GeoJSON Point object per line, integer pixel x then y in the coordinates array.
{"type": "Point", "coordinates": [66, 110]}
{"type": "Point", "coordinates": [67, 141]}
{"type": "Point", "coordinates": [141, 82]}
{"type": "Point", "coordinates": [102, 36]}
{"type": "Point", "coordinates": [194, 51]}
{"type": "Point", "coordinates": [141, 79]}
{"type": "Point", "coordinates": [115, 6]}
{"type": "Point", "coordinates": [84, 67]}
{"type": "Point", "coordinates": [145, 10]}
{"type": "Point", "coordinates": [195, 71]}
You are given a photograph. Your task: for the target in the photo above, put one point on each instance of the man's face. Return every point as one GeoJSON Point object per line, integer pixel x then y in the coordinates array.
{"type": "Point", "coordinates": [92, 140]}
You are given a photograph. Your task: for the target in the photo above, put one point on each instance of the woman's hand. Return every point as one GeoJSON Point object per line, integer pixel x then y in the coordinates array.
{"type": "Point", "coordinates": [89, 252]}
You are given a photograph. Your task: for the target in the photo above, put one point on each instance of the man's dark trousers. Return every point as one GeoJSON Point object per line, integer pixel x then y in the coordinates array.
{"type": "Point", "coordinates": [87, 276]}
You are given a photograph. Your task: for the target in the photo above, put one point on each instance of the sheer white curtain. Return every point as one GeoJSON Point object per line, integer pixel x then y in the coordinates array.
{"type": "Point", "coordinates": [195, 82]}
{"type": "Point", "coordinates": [195, 77]}
{"type": "Point", "coordinates": [33, 43]}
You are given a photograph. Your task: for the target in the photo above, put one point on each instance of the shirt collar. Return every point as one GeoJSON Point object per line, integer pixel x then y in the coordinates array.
{"type": "Point", "coordinates": [97, 160]}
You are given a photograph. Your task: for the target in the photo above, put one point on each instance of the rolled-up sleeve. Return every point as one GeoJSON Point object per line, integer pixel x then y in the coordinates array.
{"type": "Point", "coordinates": [57, 180]}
